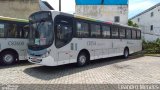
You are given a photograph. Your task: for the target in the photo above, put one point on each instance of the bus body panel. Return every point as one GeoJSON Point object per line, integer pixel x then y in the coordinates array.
{"type": "Point", "coordinates": [97, 48]}
{"type": "Point", "coordinates": [13, 36]}
{"type": "Point", "coordinates": [19, 45]}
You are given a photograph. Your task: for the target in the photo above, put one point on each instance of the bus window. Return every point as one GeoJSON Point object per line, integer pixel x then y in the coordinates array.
{"type": "Point", "coordinates": [12, 30]}
{"type": "Point", "coordinates": [134, 34]}
{"type": "Point", "coordinates": [2, 30]}
{"type": "Point", "coordinates": [138, 34]}
{"type": "Point", "coordinates": [95, 30]}
{"type": "Point", "coordinates": [128, 34]}
{"type": "Point", "coordinates": [63, 29]}
{"type": "Point", "coordinates": [122, 33]}
{"type": "Point", "coordinates": [114, 32]}
{"type": "Point", "coordinates": [106, 31]}
{"type": "Point", "coordinates": [82, 30]}
{"type": "Point", "coordinates": [25, 31]}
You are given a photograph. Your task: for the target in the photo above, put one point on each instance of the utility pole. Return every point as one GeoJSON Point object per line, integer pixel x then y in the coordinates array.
{"type": "Point", "coordinates": [59, 5]}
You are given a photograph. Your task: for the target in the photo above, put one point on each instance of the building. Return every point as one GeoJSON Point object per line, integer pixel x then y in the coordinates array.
{"type": "Point", "coordinates": [18, 8]}
{"type": "Point", "coordinates": [149, 22]}
{"type": "Point", "coordinates": [106, 10]}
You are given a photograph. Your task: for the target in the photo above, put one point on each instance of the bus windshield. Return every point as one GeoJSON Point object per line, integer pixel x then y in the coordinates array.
{"type": "Point", "coordinates": [41, 30]}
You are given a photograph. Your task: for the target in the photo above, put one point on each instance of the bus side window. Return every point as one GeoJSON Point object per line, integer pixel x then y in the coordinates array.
{"type": "Point", "coordinates": [59, 30]}
{"type": "Point", "coordinates": [95, 30]}
{"type": "Point", "coordinates": [2, 30]}
{"type": "Point", "coordinates": [122, 33]}
{"type": "Point", "coordinates": [12, 30]}
{"type": "Point", "coordinates": [25, 31]}
{"type": "Point", "coordinates": [106, 31]}
{"type": "Point", "coordinates": [64, 34]}
{"type": "Point", "coordinates": [128, 34]}
{"type": "Point", "coordinates": [64, 30]}
{"type": "Point", "coordinates": [82, 29]}
{"type": "Point", "coordinates": [115, 33]}
{"type": "Point", "coordinates": [138, 34]}
{"type": "Point", "coordinates": [134, 34]}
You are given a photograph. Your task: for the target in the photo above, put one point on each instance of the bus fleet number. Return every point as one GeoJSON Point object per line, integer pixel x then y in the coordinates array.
{"type": "Point", "coordinates": [14, 43]}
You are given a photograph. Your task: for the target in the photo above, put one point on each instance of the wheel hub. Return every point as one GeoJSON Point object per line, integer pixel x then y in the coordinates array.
{"type": "Point", "coordinates": [8, 58]}
{"type": "Point", "coordinates": [82, 59]}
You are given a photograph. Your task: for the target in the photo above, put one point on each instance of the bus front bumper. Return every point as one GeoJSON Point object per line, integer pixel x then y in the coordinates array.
{"type": "Point", "coordinates": [47, 61]}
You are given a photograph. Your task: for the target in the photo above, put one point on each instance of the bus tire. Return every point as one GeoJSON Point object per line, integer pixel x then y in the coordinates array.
{"type": "Point", "coordinates": [82, 59]}
{"type": "Point", "coordinates": [126, 53]}
{"type": "Point", "coordinates": [8, 58]}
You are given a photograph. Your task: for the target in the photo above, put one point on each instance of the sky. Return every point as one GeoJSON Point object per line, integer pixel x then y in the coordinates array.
{"type": "Point", "coordinates": [138, 6]}
{"type": "Point", "coordinates": [135, 6]}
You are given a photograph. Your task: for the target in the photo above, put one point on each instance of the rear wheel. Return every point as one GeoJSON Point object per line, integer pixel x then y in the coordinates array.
{"type": "Point", "coordinates": [82, 59]}
{"type": "Point", "coordinates": [126, 53]}
{"type": "Point", "coordinates": [8, 58]}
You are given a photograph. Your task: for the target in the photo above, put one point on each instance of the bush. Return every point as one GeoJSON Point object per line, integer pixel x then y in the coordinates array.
{"type": "Point", "coordinates": [152, 47]}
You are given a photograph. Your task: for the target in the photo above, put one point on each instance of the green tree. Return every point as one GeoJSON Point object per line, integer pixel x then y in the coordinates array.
{"type": "Point", "coordinates": [135, 25]}
{"type": "Point", "coordinates": [130, 23]}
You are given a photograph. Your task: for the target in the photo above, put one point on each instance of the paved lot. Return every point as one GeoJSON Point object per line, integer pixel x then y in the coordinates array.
{"type": "Point", "coordinates": [135, 70]}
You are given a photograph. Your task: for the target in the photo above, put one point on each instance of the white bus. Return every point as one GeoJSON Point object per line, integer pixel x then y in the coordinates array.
{"type": "Point", "coordinates": [58, 38]}
{"type": "Point", "coordinates": [13, 39]}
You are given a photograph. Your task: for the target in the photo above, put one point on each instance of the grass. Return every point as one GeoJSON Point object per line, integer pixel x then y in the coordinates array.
{"type": "Point", "coordinates": [142, 53]}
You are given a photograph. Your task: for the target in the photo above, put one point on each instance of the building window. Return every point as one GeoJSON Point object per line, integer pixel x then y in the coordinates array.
{"type": "Point", "coordinates": [138, 19]}
{"type": "Point", "coordinates": [152, 14]}
{"type": "Point", "coordinates": [116, 19]}
{"type": "Point", "coordinates": [151, 27]}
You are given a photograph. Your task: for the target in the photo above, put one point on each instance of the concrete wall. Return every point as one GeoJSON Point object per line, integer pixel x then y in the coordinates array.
{"type": "Point", "coordinates": [145, 22]}
{"type": "Point", "coordinates": [18, 8]}
{"type": "Point", "coordinates": [104, 12]}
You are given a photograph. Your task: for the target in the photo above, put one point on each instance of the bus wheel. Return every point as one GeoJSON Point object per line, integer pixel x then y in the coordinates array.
{"type": "Point", "coordinates": [126, 53]}
{"type": "Point", "coordinates": [82, 59]}
{"type": "Point", "coordinates": [8, 58]}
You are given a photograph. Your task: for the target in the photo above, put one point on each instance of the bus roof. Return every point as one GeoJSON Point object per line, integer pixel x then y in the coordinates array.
{"type": "Point", "coordinates": [13, 19]}
{"type": "Point", "coordinates": [92, 19]}
{"type": "Point", "coordinates": [105, 22]}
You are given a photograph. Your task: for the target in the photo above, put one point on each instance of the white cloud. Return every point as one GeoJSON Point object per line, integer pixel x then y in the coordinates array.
{"type": "Point", "coordinates": [140, 6]}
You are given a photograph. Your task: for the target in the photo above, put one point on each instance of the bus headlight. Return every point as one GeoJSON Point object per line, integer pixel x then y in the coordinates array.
{"type": "Point", "coordinates": [46, 54]}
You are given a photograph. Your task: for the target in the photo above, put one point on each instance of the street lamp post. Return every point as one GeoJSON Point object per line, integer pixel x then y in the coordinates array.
{"type": "Point", "coordinates": [59, 5]}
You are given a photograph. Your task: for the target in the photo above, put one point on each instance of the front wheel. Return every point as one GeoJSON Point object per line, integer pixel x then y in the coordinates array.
{"type": "Point", "coordinates": [8, 58]}
{"type": "Point", "coordinates": [82, 59]}
{"type": "Point", "coordinates": [126, 53]}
